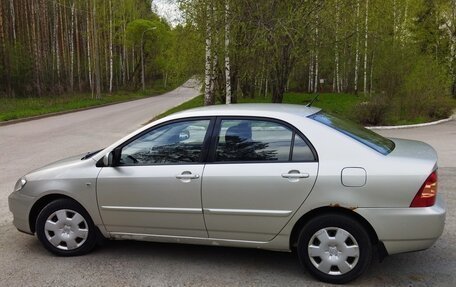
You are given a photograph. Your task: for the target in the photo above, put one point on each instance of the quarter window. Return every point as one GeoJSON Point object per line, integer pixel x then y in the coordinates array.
{"type": "Point", "coordinates": [179, 142]}
{"type": "Point", "coordinates": [301, 150]}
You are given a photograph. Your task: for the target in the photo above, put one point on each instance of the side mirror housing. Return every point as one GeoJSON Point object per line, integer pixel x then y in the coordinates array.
{"type": "Point", "coordinates": [110, 159]}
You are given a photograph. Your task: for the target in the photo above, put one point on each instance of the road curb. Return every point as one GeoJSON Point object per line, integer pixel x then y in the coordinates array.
{"type": "Point", "coordinates": [412, 126]}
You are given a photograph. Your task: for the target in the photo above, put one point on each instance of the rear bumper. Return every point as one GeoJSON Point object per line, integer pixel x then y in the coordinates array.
{"type": "Point", "coordinates": [20, 205]}
{"type": "Point", "coordinates": [407, 229]}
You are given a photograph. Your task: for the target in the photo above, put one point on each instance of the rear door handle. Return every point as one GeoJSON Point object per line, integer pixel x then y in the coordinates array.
{"type": "Point", "coordinates": [295, 175]}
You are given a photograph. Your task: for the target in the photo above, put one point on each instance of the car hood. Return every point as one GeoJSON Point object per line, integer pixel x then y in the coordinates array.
{"type": "Point", "coordinates": [412, 149]}
{"type": "Point", "coordinates": [58, 168]}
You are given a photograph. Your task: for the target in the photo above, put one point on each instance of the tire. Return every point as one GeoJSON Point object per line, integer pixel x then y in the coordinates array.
{"type": "Point", "coordinates": [334, 248]}
{"type": "Point", "coordinates": [65, 228]}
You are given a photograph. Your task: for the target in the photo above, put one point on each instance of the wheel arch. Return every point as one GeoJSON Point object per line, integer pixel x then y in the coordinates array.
{"type": "Point", "coordinates": [336, 210]}
{"type": "Point", "coordinates": [41, 203]}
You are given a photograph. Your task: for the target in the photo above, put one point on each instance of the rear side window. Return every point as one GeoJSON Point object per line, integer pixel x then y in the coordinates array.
{"type": "Point", "coordinates": [355, 131]}
{"type": "Point", "coordinates": [245, 140]}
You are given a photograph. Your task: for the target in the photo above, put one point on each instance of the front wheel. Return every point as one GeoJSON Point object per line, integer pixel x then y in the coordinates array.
{"type": "Point", "coordinates": [334, 248]}
{"type": "Point", "coordinates": [65, 228]}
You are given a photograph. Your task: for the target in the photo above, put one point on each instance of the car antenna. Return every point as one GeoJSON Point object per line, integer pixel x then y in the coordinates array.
{"type": "Point", "coordinates": [312, 101]}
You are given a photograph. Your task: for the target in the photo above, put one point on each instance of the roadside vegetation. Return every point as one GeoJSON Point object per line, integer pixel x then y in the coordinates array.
{"type": "Point", "coordinates": [376, 61]}
{"type": "Point", "coordinates": [11, 109]}
{"type": "Point", "coordinates": [355, 108]}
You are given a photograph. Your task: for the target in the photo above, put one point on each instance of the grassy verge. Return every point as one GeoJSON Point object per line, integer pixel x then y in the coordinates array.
{"type": "Point", "coordinates": [343, 105]}
{"type": "Point", "coordinates": [17, 108]}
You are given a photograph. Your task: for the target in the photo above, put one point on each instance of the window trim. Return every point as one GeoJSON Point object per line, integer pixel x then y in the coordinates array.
{"type": "Point", "coordinates": [204, 150]}
{"type": "Point", "coordinates": [216, 133]}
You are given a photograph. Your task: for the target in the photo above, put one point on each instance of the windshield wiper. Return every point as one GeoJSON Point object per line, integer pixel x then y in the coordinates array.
{"type": "Point", "coordinates": [90, 154]}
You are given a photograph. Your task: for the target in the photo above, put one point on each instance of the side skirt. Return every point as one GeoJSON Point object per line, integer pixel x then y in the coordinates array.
{"type": "Point", "coordinates": [193, 240]}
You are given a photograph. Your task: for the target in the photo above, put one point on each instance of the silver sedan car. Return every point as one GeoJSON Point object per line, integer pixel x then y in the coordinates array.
{"type": "Point", "coordinates": [269, 176]}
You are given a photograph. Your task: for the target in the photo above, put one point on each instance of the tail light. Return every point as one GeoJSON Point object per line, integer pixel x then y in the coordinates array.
{"type": "Point", "coordinates": [428, 192]}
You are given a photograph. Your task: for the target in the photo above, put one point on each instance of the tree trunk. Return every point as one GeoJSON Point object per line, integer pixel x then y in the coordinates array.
{"type": "Point", "coordinates": [4, 56]}
{"type": "Point", "coordinates": [336, 54]}
{"type": "Point", "coordinates": [227, 55]}
{"type": "Point", "coordinates": [208, 97]}
{"type": "Point", "coordinates": [89, 48]}
{"type": "Point", "coordinates": [111, 71]}
{"type": "Point", "coordinates": [96, 57]}
{"type": "Point", "coordinates": [316, 57]}
{"type": "Point", "coordinates": [13, 20]}
{"type": "Point", "coordinates": [72, 50]}
{"type": "Point", "coordinates": [357, 49]}
{"type": "Point", "coordinates": [366, 25]}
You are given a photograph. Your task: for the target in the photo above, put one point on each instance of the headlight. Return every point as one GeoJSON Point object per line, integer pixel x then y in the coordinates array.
{"type": "Point", "coordinates": [20, 184]}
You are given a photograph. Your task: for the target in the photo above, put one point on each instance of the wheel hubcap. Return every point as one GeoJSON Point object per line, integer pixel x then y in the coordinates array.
{"type": "Point", "coordinates": [333, 251]}
{"type": "Point", "coordinates": [66, 229]}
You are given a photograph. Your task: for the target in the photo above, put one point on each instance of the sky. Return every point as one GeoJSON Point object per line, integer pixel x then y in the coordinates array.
{"type": "Point", "coordinates": [167, 9]}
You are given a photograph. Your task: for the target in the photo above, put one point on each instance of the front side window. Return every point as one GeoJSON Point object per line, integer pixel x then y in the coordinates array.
{"type": "Point", "coordinates": [253, 140]}
{"type": "Point", "coordinates": [174, 143]}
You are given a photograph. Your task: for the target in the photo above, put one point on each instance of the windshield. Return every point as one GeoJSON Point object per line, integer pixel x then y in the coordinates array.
{"type": "Point", "coordinates": [355, 131]}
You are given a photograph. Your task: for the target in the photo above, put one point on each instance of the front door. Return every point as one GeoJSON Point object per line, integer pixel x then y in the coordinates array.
{"type": "Point", "coordinates": [155, 188]}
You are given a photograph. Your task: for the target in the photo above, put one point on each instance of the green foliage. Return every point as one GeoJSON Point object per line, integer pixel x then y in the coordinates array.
{"type": "Point", "coordinates": [16, 108]}
{"type": "Point", "coordinates": [426, 89]}
{"type": "Point", "coordinates": [373, 112]}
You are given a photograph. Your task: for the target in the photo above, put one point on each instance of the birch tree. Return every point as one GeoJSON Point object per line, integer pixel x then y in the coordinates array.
{"type": "Point", "coordinates": [208, 96]}
{"type": "Point", "coordinates": [366, 33]}
{"type": "Point", "coordinates": [227, 54]}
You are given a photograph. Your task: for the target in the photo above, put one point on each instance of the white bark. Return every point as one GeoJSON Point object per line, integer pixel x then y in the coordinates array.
{"type": "Point", "coordinates": [357, 48]}
{"type": "Point", "coordinates": [316, 57]}
{"type": "Point", "coordinates": [336, 49]}
{"type": "Point", "coordinates": [208, 59]}
{"type": "Point", "coordinates": [57, 48]}
{"type": "Point", "coordinates": [72, 49]}
{"type": "Point", "coordinates": [214, 44]}
{"type": "Point", "coordinates": [96, 53]}
{"type": "Point", "coordinates": [89, 53]}
{"type": "Point", "coordinates": [111, 72]}
{"type": "Point", "coordinates": [227, 55]}
{"type": "Point", "coordinates": [366, 24]}
{"type": "Point", "coordinates": [311, 67]}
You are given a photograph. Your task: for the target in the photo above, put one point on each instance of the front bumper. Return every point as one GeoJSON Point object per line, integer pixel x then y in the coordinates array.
{"type": "Point", "coordinates": [407, 229]}
{"type": "Point", "coordinates": [20, 205]}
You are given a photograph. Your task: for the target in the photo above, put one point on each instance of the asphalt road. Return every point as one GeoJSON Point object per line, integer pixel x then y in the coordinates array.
{"type": "Point", "coordinates": [23, 262]}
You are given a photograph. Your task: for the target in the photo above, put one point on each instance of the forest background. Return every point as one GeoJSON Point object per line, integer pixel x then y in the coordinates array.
{"type": "Point", "coordinates": [377, 61]}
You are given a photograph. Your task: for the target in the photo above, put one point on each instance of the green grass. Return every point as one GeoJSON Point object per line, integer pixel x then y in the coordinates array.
{"type": "Point", "coordinates": [341, 104]}
{"type": "Point", "coordinates": [16, 108]}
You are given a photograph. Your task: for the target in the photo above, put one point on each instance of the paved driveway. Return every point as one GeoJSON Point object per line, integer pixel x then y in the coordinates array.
{"type": "Point", "coordinates": [23, 262]}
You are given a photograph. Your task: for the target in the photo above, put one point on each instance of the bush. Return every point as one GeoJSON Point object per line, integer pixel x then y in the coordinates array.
{"type": "Point", "coordinates": [440, 108]}
{"type": "Point", "coordinates": [373, 112]}
{"type": "Point", "coordinates": [427, 90]}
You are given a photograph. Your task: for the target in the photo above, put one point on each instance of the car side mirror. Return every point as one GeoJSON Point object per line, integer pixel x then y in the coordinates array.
{"type": "Point", "coordinates": [107, 159]}
{"type": "Point", "coordinates": [111, 158]}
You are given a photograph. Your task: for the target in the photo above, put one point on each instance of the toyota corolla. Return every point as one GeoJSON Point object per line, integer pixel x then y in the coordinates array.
{"type": "Point", "coordinates": [276, 177]}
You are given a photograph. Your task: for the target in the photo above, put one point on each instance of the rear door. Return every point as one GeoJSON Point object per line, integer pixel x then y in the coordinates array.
{"type": "Point", "coordinates": [259, 172]}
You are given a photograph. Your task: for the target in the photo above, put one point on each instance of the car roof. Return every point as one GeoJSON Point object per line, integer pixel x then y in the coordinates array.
{"type": "Point", "coordinates": [250, 109]}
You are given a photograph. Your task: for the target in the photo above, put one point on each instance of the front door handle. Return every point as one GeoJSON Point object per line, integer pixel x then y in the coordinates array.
{"type": "Point", "coordinates": [295, 175]}
{"type": "Point", "coordinates": [187, 176]}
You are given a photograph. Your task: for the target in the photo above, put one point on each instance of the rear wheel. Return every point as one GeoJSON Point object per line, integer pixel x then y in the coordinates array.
{"type": "Point", "coordinates": [65, 228]}
{"type": "Point", "coordinates": [335, 248]}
